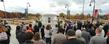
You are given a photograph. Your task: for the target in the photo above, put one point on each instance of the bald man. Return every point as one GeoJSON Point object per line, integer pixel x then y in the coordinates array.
{"type": "Point", "coordinates": [98, 39]}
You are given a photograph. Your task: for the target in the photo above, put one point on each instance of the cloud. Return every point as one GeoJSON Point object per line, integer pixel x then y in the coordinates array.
{"type": "Point", "coordinates": [53, 6]}
{"type": "Point", "coordinates": [105, 8]}
{"type": "Point", "coordinates": [16, 9]}
{"type": "Point", "coordinates": [61, 2]}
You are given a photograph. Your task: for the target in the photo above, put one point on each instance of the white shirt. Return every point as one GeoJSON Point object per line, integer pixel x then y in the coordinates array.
{"type": "Point", "coordinates": [3, 36]}
{"type": "Point", "coordinates": [47, 33]}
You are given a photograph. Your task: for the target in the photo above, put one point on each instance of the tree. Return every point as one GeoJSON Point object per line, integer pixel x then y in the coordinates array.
{"type": "Point", "coordinates": [61, 15]}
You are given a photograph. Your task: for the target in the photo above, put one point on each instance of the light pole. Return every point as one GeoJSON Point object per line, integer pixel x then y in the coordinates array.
{"type": "Point", "coordinates": [26, 10]}
{"type": "Point", "coordinates": [93, 13]}
{"type": "Point", "coordinates": [83, 7]}
{"type": "Point", "coordinates": [82, 16]}
{"type": "Point", "coordinates": [68, 11]}
{"type": "Point", "coordinates": [94, 8]}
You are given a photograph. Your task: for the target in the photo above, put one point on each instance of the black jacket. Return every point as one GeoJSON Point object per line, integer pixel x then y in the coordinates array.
{"type": "Point", "coordinates": [8, 30]}
{"type": "Point", "coordinates": [73, 41]}
{"type": "Point", "coordinates": [28, 42]}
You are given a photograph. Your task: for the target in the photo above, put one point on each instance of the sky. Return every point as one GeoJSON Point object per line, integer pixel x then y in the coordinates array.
{"type": "Point", "coordinates": [54, 6]}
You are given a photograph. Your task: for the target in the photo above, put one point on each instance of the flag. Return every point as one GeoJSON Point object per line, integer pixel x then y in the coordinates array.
{"type": "Point", "coordinates": [91, 2]}
{"type": "Point", "coordinates": [95, 13]}
{"type": "Point", "coordinates": [2, 0]}
{"type": "Point", "coordinates": [28, 4]}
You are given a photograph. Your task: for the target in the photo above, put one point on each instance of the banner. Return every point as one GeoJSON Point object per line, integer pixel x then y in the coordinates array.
{"type": "Point", "coordinates": [96, 13]}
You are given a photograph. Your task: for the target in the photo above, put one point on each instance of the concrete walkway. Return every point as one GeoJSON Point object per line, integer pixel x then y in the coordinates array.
{"type": "Point", "coordinates": [13, 39]}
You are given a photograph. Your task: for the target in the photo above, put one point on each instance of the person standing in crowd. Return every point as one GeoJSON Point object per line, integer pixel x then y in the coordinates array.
{"type": "Point", "coordinates": [23, 26]}
{"type": "Point", "coordinates": [79, 24]}
{"type": "Point", "coordinates": [49, 20]}
{"type": "Point", "coordinates": [48, 34]}
{"type": "Point", "coordinates": [86, 35]}
{"type": "Point", "coordinates": [71, 38]}
{"type": "Point", "coordinates": [107, 37]}
{"type": "Point", "coordinates": [8, 29]}
{"type": "Point", "coordinates": [3, 35]}
{"type": "Point", "coordinates": [18, 29]}
{"type": "Point", "coordinates": [28, 30]}
{"type": "Point", "coordinates": [5, 22]}
{"type": "Point", "coordinates": [88, 25]}
{"type": "Point", "coordinates": [30, 27]}
{"type": "Point", "coordinates": [58, 38]}
{"type": "Point", "coordinates": [39, 24]}
{"type": "Point", "coordinates": [35, 28]}
{"type": "Point", "coordinates": [69, 25]}
{"type": "Point", "coordinates": [55, 29]}
{"type": "Point", "coordinates": [29, 37]}
{"type": "Point", "coordinates": [20, 35]}
{"type": "Point", "coordinates": [79, 36]}
{"type": "Point", "coordinates": [105, 28]}
{"type": "Point", "coordinates": [42, 32]}
{"type": "Point", "coordinates": [61, 24]}
{"type": "Point", "coordinates": [97, 24]}
{"type": "Point", "coordinates": [90, 28]}
{"type": "Point", "coordinates": [37, 39]}
{"type": "Point", "coordinates": [75, 26]}
{"type": "Point", "coordinates": [102, 32]}
{"type": "Point", "coordinates": [98, 39]}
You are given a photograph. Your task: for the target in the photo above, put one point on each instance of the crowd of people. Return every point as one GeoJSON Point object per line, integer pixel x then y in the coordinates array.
{"type": "Point", "coordinates": [64, 32]}
{"type": "Point", "coordinates": [5, 34]}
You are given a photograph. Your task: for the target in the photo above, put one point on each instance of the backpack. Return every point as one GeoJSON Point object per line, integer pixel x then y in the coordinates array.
{"type": "Point", "coordinates": [3, 36]}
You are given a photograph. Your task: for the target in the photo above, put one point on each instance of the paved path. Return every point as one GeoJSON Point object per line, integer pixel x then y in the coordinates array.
{"type": "Point", "coordinates": [13, 39]}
